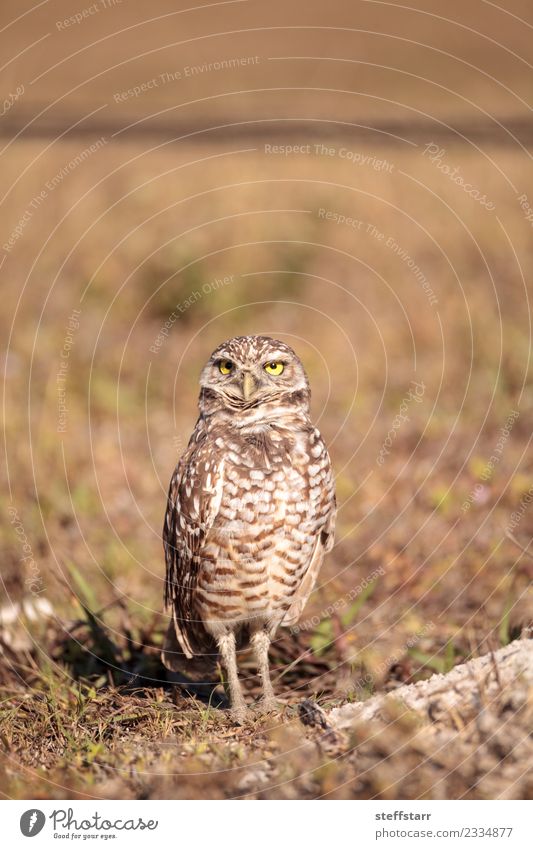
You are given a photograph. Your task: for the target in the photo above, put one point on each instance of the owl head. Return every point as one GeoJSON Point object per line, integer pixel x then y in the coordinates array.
{"type": "Point", "coordinates": [250, 371]}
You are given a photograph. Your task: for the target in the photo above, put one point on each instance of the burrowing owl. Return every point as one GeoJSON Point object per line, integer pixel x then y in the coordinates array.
{"type": "Point", "coordinates": [250, 513]}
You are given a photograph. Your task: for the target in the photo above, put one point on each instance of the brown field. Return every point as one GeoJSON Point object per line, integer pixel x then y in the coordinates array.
{"type": "Point", "coordinates": [417, 305]}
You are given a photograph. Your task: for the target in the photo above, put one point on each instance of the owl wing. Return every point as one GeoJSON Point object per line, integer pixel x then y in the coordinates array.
{"type": "Point", "coordinates": [194, 498]}
{"type": "Point", "coordinates": [325, 510]}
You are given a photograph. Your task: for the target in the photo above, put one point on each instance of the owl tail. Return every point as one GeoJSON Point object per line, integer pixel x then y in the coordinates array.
{"type": "Point", "coordinates": [199, 670]}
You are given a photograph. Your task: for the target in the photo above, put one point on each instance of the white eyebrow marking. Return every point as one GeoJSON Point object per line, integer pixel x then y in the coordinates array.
{"type": "Point", "coordinates": [276, 355]}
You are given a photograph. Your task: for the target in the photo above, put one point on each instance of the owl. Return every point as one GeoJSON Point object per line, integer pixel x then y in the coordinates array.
{"type": "Point", "coordinates": [250, 514]}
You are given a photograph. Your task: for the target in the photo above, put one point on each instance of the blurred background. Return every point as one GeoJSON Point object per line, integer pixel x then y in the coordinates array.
{"type": "Point", "coordinates": [354, 178]}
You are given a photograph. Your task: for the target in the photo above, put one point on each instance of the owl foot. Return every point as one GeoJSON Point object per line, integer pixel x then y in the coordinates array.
{"type": "Point", "coordinates": [239, 714]}
{"type": "Point", "coordinates": [267, 705]}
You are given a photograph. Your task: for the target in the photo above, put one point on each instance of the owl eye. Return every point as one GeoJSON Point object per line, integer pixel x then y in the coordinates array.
{"type": "Point", "coordinates": [225, 366]}
{"type": "Point", "coordinates": [274, 368]}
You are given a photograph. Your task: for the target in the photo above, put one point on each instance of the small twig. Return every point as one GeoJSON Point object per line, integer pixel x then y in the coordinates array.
{"type": "Point", "coordinates": [513, 539]}
{"type": "Point", "coordinates": [74, 624]}
{"type": "Point", "coordinates": [292, 665]}
{"type": "Point", "coordinates": [496, 670]}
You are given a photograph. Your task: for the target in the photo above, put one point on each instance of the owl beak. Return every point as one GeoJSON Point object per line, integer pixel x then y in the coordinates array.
{"type": "Point", "coordinates": [248, 385]}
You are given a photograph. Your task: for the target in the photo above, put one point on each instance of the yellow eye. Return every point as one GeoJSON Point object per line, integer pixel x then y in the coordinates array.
{"type": "Point", "coordinates": [225, 366]}
{"type": "Point", "coordinates": [274, 368]}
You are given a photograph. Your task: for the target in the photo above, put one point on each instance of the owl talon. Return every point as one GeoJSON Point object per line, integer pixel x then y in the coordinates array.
{"type": "Point", "coordinates": [267, 705]}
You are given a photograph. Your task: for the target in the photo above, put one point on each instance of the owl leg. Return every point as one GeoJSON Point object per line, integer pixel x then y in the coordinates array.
{"type": "Point", "coordinates": [227, 649]}
{"type": "Point", "coordinates": [260, 643]}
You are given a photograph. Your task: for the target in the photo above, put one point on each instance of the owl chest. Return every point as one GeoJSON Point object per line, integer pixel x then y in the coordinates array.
{"type": "Point", "coordinates": [259, 494]}
{"type": "Point", "coordinates": [262, 536]}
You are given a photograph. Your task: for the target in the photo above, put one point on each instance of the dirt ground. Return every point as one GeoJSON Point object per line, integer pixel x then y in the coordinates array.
{"type": "Point", "coordinates": [399, 269]}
